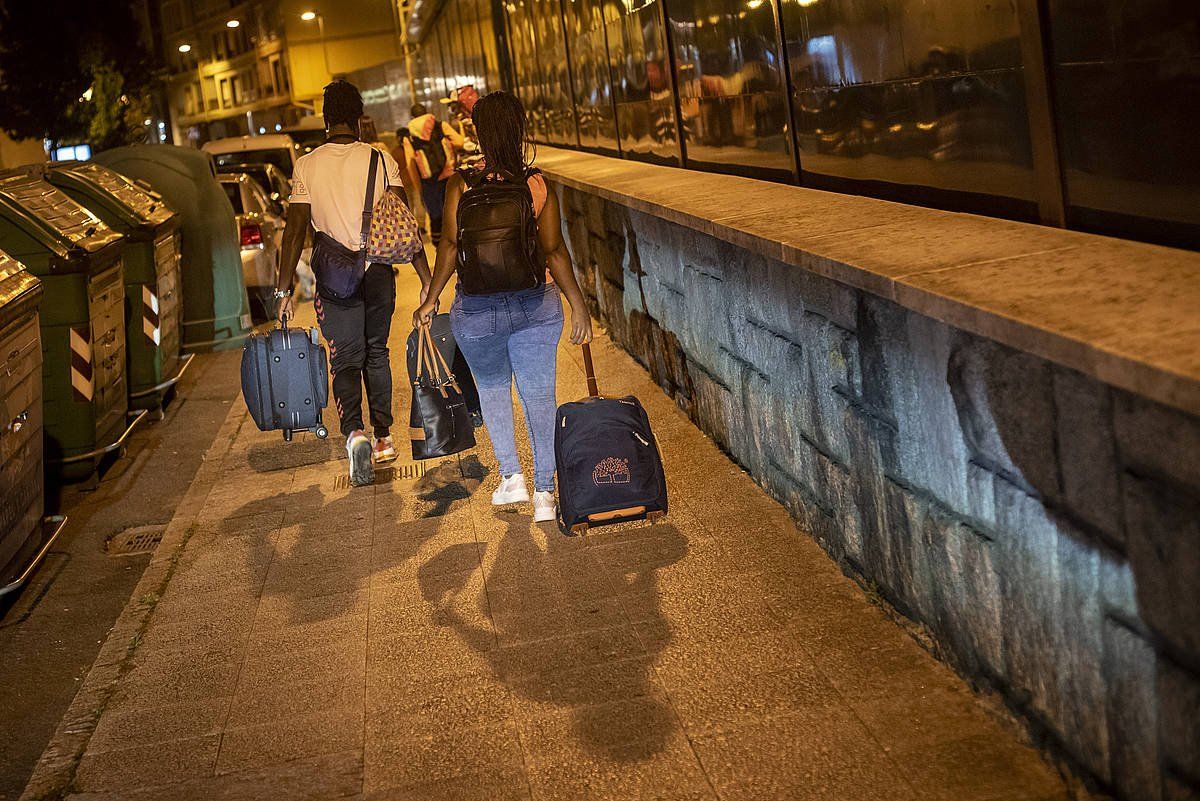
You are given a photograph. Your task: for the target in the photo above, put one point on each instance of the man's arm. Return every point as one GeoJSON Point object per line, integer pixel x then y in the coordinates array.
{"type": "Point", "coordinates": [299, 222]}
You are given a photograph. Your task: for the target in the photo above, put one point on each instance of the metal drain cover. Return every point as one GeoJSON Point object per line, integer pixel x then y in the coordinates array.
{"type": "Point", "coordinates": [401, 471]}
{"type": "Point", "coordinates": [140, 539]}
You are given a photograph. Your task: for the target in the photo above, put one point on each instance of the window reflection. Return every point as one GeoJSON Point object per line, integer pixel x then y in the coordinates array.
{"type": "Point", "coordinates": [642, 86]}
{"type": "Point", "coordinates": [731, 86]}
{"type": "Point", "coordinates": [592, 77]}
{"type": "Point", "coordinates": [1127, 76]}
{"type": "Point", "coordinates": [911, 95]}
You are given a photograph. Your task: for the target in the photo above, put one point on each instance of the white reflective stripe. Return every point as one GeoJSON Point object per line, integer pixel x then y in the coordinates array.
{"type": "Point", "coordinates": [82, 377]}
{"type": "Point", "coordinates": [82, 385]}
{"type": "Point", "coordinates": [81, 346]}
{"type": "Point", "coordinates": [150, 319]}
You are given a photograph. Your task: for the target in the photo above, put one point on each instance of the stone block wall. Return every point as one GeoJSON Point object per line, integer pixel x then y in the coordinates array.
{"type": "Point", "coordinates": [1043, 526]}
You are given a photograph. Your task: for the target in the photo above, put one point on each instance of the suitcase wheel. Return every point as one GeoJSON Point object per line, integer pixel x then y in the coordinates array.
{"type": "Point", "coordinates": [322, 432]}
{"type": "Point", "coordinates": [287, 435]}
{"type": "Point", "coordinates": [579, 528]}
{"type": "Point", "coordinates": [654, 517]}
{"type": "Point", "coordinates": [314, 336]}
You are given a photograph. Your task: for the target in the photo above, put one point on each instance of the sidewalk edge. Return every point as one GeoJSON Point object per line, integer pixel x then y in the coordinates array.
{"type": "Point", "coordinates": [55, 769]}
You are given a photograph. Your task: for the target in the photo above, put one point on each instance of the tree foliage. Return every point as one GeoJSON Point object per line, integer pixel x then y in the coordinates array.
{"type": "Point", "coordinates": [53, 51]}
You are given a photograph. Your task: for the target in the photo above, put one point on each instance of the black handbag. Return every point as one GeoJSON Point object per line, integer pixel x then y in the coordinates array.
{"type": "Point", "coordinates": [443, 340]}
{"type": "Point", "coordinates": [439, 423]}
{"type": "Point", "coordinates": [338, 269]}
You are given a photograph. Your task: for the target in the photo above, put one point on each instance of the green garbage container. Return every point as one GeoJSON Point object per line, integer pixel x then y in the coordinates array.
{"type": "Point", "coordinates": [151, 263]}
{"type": "Point", "coordinates": [78, 259]}
{"type": "Point", "coordinates": [216, 311]}
{"type": "Point", "coordinates": [25, 536]}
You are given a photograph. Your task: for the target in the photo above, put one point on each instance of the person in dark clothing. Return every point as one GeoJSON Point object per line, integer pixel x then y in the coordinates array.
{"type": "Point", "coordinates": [328, 185]}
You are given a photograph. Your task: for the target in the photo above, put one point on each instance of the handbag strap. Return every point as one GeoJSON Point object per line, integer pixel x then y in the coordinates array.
{"type": "Point", "coordinates": [431, 363]}
{"type": "Point", "coordinates": [369, 201]}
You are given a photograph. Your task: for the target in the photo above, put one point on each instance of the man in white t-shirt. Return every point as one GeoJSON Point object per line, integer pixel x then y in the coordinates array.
{"type": "Point", "coordinates": [329, 187]}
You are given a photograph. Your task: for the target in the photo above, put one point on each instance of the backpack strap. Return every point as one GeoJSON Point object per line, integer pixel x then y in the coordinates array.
{"type": "Point", "coordinates": [369, 200]}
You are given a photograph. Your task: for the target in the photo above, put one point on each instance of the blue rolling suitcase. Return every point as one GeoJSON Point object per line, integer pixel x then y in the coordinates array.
{"type": "Point", "coordinates": [285, 381]}
{"type": "Point", "coordinates": [609, 466]}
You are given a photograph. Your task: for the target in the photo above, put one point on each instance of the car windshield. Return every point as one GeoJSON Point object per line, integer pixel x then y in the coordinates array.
{"type": "Point", "coordinates": [278, 156]}
{"type": "Point", "coordinates": [234, 194]}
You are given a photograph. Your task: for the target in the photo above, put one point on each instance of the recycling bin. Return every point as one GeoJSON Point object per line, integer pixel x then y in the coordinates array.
{"type": "Point", "coordinates": [216, 310]}
{"type": "Point", "coordinates": [24, 539]}
{"type": "Point", "coordinates": [151, 261]}
{"type": "Point", "coordinates": [82, 321]}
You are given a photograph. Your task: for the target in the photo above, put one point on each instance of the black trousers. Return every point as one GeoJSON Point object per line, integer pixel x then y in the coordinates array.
{"type": "Point", "coordinates": [357, 332]}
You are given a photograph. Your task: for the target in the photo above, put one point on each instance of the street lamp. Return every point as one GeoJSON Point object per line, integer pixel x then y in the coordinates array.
{"type": "Point", "coordinates": [309, 16]}
{"type": "Point", "coordinates": [185, 48]}
{"type": "Point", "coordinates": [233, 23]}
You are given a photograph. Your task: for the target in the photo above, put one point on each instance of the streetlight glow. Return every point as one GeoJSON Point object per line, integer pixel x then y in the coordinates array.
{"type": "Point", "coordinates": [185, 48]}
{"type": "Point", "coordinates": [233, 23]}
{"type": "Point", "coordinates": [308, 16]}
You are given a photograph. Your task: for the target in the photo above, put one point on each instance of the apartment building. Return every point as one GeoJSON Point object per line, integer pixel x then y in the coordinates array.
{"type": "Point", "coordinates": [228, 71]}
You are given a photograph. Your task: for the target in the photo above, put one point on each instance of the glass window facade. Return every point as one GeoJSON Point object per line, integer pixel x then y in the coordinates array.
{"type": "Point", "coordinates": [1127, 94]}
{"type": "Point", "coordinates": [921, 101]}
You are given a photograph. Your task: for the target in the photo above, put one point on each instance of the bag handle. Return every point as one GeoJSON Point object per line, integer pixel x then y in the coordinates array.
{"type": "Point", "coordinates": [589, 372]}
{"type": "Point", "coordinates": [369, 201]}
{"type": "Point", "coordinates": [428, 356]}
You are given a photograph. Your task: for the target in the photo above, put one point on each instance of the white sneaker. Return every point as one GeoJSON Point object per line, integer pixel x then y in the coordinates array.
{"type": "Point", "coordinates": [544, 507]}
{"type": "Point", "coordinates": [511, 490]}
{"type": "Point", "coordinates": [358, 448]}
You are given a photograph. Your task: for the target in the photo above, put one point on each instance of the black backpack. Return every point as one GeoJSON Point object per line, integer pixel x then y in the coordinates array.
{"type": "Point", "coordinates": [435, 152]}
{"type": "Point", "coordinates": [498, 247]}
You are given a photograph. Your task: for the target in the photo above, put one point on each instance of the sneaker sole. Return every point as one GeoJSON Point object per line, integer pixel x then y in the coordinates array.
{"type": "Point", "coordinates": [385, 459]}
{"type": "Point", "coordinates": [362, 472]}
{"type": "Point", "coordinates": [509, 500]}
{"type": "Point", "coordinates": [546, 517]}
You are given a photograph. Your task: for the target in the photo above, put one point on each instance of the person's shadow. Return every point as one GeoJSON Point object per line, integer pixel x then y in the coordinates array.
{"type": "Point", "coordinates": [599, 722]}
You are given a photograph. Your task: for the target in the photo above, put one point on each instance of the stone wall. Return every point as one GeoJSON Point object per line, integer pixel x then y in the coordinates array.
{"type": "Point", "coordinates": [1043, 526]}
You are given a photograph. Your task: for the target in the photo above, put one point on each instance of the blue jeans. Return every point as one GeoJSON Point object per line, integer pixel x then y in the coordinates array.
{"type": "Point", "coordinates": [514, 334]}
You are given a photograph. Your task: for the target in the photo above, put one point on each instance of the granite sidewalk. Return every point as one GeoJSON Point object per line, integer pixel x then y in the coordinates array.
{"type": "Point", "coordinates": [298, 639]}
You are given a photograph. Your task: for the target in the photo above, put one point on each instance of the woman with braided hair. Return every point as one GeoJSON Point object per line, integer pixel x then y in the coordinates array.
{"type": "Point", "coordinates": [502, 233]}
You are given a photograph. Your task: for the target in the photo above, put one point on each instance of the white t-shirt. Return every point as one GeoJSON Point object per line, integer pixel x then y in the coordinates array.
{"type": "Point", "coordinates": [333, 181]}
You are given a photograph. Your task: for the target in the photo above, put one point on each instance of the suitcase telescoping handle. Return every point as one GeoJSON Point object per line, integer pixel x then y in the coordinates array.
{"type": "Point", "coordinates": [590, 372]}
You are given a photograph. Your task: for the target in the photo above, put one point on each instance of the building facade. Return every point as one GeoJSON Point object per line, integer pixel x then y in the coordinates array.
{"type": "Point", "coordinates": [228, 71]}
{"type": "Point", "coordinates": [1073, 113]}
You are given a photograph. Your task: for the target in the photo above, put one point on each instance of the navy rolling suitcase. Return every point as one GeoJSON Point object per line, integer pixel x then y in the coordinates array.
{"type": "Point", "coordinates": [285, 381]}
{"type": "Point", "coordinates": [609, 467]}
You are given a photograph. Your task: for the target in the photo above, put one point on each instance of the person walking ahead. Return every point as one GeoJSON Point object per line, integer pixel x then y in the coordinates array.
{"type": "Point", "coordinates": [430, 148]}
{"type": "Point", "coordinates": [502, 230]}
{"type": "Point", "coordinates": [328, 188]}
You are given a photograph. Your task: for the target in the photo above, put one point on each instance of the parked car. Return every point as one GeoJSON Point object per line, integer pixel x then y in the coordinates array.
{"type": "Point", "coordinates": [309, 133]}
{"type": "Point", "coordinates": [276, 185]}
{"type": "Point", "coordinates": [278, 149]}
{"type": "Point", "coordinates": [260, 231]}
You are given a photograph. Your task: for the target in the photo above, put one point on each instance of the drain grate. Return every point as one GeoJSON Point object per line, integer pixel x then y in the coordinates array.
{"type": "Point", "coordinates": [140, 539]}
{"type": "Point", "coordinates": [406, 471]}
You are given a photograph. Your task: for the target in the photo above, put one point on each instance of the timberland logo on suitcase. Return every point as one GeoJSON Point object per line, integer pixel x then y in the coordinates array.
{"type": "Point", "coordinates": [611, 471]}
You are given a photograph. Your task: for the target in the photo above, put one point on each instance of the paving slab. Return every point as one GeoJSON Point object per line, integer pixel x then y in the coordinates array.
{"type": "Point", "coordinates": [409, 641]}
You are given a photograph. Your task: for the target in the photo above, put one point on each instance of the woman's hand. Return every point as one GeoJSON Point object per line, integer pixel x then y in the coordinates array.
{"type": "Point", "coordinates": [286, 310]}
{"type": "Point", "coordinates": [581, 328]}
{"type": "Point", "coordinates": [424, 313]}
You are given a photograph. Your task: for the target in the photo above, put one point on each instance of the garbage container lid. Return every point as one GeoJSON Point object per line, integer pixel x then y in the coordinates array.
{"type": "Point", "coordinates": [51, 216]}
{"type": "Point", "coordinates": [17, 286]}
{"type": "Point", "coordinates": [146, 205]}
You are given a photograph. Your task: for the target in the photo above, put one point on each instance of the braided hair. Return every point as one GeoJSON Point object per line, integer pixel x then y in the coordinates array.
{"type": "Point", "coordinates": [342, 104]}
{"type": "Point", "coordinates": [500, 125]}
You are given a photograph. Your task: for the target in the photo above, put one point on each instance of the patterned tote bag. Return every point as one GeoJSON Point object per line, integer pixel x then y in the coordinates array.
{"type": "Point", "coordinates": [395, 235]}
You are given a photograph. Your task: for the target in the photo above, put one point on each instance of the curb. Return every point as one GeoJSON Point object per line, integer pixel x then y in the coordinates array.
{"type": "Point", "coordinates": [55, 769]}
